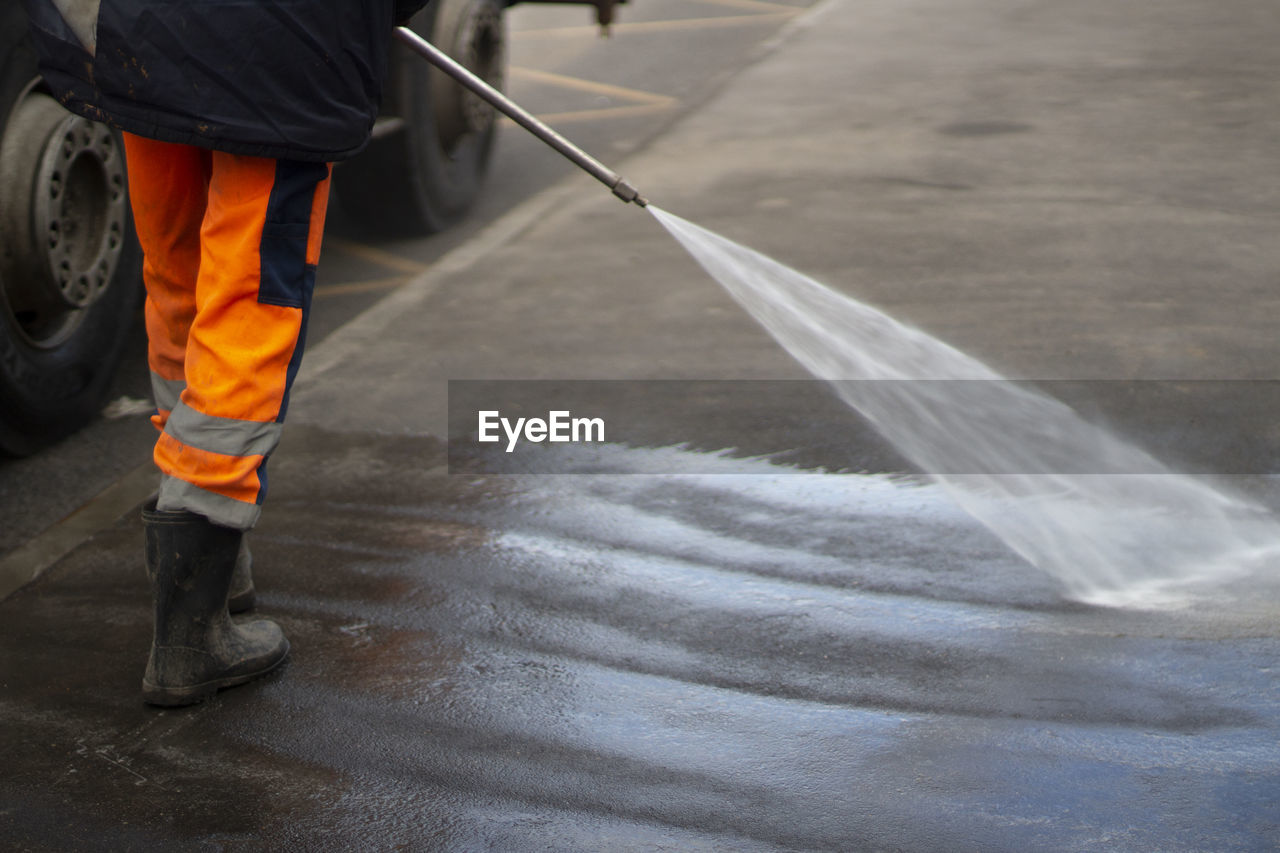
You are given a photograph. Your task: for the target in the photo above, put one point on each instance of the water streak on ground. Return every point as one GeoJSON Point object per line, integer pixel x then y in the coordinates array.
{"type": "Point", "coordinates": [1128, 531]}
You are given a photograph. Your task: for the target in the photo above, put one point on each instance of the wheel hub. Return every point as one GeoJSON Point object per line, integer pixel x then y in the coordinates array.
{"type": "Point", "coordinates": [79, 210]}
{"type": "Point", "coordinates": [63, 218]}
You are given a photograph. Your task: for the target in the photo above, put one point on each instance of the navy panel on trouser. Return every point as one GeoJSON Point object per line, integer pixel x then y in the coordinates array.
{"type": "Point", "coordinates": [287, 278]}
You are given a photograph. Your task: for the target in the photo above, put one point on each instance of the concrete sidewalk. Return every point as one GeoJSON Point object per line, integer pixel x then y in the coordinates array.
{"type": "Point", "coordinates": [762, 661]}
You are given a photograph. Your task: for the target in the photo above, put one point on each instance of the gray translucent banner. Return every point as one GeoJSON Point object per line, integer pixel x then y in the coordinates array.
{"type": "Point", "coordinates": [1219, 427]}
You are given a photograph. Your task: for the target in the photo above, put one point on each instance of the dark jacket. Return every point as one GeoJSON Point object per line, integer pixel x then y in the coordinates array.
{"type": "Point", "coordinates": [295, 79]}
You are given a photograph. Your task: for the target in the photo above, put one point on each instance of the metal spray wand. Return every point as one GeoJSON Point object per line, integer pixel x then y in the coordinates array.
{"type": "Point", "coordinates": [522, 117]}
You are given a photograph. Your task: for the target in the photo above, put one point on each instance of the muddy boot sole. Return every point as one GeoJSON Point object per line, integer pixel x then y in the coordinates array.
{"type": "Point", "coordinates": [190, 694]}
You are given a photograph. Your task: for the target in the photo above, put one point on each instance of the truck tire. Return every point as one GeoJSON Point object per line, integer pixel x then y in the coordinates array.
{"type": "Point", "coordinates": [70, 266]}
{"type": "Point", "coordinates": [432, 145]}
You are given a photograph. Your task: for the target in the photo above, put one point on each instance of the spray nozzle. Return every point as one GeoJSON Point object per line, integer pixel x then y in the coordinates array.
{"type": "Point", "coordinates": [623, 190]}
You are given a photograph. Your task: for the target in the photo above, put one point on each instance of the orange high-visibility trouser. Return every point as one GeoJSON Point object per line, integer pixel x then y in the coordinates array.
{"type": "Point", "coordinates": [230, 245]}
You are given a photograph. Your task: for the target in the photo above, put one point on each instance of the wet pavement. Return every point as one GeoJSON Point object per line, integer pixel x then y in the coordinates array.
{"type": "Point", "coordinates": [737, 659]}
{"type": "Point", "coordinates": [736, 653]}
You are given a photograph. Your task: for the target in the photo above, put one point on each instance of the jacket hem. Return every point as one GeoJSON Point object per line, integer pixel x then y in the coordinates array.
{"type": "Point", "coordinates": [162, 133]}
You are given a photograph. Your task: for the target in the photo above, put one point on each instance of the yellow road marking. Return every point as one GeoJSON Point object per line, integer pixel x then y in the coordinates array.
{"type": "Point", "coordinates": [643, 103]}
{"type": "Point", "coordinates": [591, 115]}
{"type": "Point", "coordinates": [592, 86]}
{"type": "Point", "coordinates": [644, 27]}
{"type": "Point", "coordinates": [370, 286]}
{"type": "Point", "coordinates": [761, 5]}
{"type": "Point", "coordinates": [373, 254]}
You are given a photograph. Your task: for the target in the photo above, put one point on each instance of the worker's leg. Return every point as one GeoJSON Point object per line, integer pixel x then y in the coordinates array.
{"type": "Point", "coordinates": [260, 243]}
{"type": "Point", "coordinates": [231, 245]}
{"type": "Point", "coordinates": [168, 185]}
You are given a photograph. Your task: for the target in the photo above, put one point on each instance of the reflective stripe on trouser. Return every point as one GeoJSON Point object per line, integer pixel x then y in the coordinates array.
{"type": "Point", "coordinates": [231, 245]}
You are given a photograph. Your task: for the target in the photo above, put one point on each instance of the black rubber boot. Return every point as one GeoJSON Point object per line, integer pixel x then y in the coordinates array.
{"type": "Point", "coordinates": [197, 649]}
{"type": "Point", "coordinates": [243, 596]}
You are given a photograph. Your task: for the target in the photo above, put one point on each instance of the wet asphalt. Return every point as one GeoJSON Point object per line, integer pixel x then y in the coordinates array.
{"type": "Point", "coordinates": [781, 640]}
{"type": "Point", "coordinates": [732, 660]}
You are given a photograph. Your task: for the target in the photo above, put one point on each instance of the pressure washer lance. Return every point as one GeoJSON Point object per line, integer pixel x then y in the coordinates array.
{"type": "Point", "coordinates": [538, 128]}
